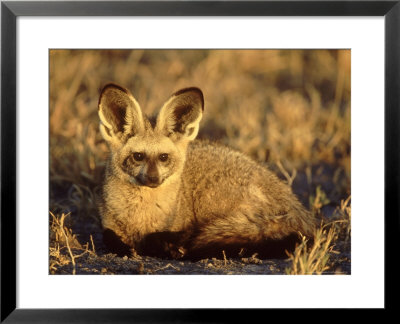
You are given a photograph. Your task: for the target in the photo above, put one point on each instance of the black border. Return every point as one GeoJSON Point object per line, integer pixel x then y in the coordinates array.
{"type": "Point", "coordinates": [11, 10]}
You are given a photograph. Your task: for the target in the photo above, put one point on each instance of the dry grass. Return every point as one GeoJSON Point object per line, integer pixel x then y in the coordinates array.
{"type": "Point", "coordinates": [314, 258]}
{"type": "Point", "coordinates": [287, 108]}
{"type": "Point", "coordinates": [61, 237]}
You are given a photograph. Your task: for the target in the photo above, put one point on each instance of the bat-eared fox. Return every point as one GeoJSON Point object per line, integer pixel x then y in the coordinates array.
{"type": "Point", "coordinates": [168, 195]}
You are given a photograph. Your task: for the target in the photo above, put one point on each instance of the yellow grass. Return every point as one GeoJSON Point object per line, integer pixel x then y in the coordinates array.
{"type": "Point", "coordinates": [314, 258]}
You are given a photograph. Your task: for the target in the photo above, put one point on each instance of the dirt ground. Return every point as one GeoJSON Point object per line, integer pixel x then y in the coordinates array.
{"type": "Point", "coordinates": [110, 264]}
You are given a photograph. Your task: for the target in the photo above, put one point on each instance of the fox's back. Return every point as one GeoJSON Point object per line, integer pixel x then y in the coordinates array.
{"type": "Point", "coordinates": [221, 180]}
{"type": "Point", "coordinates": [219, 174]}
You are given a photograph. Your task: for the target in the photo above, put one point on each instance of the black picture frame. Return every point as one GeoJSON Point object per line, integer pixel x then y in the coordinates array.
{"type": "Point", "coordinates": [10, 10]}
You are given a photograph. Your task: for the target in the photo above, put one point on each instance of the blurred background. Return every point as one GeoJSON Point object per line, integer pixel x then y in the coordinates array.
{"type": "Point", "coordinates": [289, 109]}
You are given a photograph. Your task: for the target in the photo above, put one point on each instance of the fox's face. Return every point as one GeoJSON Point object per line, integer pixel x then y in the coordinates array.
{"type": "Point", "coordinates": [150, 160]}
{"type": "Point", "coordinates": [142, 153]}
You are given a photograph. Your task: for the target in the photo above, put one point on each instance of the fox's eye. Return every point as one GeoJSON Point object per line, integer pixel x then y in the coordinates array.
{"type": "Point", "coordinates": [138, 156]}
{"type": "Point", "coordinates": [163, 157]}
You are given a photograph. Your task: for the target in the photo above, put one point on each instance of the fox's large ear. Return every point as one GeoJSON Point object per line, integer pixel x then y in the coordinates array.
{"type": "Point", "coordinates": [180, 116]}
{"type": "Point", "coordinates": [120, 114]}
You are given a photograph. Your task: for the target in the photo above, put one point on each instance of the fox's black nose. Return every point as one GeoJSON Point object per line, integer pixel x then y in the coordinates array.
{"type": "Point", "coordinates": [149, 181]}
{"type": "Point", "coordinates": [153, 179]}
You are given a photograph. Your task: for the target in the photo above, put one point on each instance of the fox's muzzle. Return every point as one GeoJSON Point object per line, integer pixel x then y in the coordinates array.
{"type": "Point", "coordinates": [149, 181]}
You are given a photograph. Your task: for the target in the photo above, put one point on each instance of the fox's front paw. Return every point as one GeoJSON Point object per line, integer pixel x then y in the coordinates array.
{"type": "Point", "coordinates": [166, 245]}
{"type": "Point", "coordinates": [176, 252]}
{"type": "Point", "coordinates": [115, 245]}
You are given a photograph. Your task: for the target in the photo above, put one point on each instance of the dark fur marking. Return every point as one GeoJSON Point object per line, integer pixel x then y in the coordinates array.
{"type": "Point", "coordinates": [152, 172]}
{"type": "Point", "coordinates": [112, 85]}
{"type": "Point", "coordinates": [182, 111]}
{"type": "Point", "coordinates": [163, 245]}
{"type": "Point", "coordinates": [114, 111]}
{"type": "Point", "coordinates": [116, 116]}
{"type": "Point", "coordinates": [152, 120]}
{"type": "Point", "coordinates": [115, 245]}
{"type": "Point", "coordinates": [266, 249]}
{"type": "Point", "coordinates": [115, 105]}
{"type": "Point", "coordinates": [184, 115]}
{"type": "Point", "coordinates": [177, 245]}
{"type": "Point", "coordinates": [193, 89]}
{"type": "Point", "coordinates": [129, 164]}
